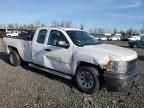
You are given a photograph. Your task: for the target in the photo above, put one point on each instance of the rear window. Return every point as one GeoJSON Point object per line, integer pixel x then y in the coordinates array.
{"type": "Point", "coordinates": [41, 36]}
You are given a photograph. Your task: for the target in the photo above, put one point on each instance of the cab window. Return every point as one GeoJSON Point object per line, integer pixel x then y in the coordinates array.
{"type": "Point", "coordinates": [56, 36]}
{"type": "Point", "coordinates": [41, 36]}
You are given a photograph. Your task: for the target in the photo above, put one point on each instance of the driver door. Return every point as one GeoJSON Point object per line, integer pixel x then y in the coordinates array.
{"type": "Point", "coordinates": [56, 57]}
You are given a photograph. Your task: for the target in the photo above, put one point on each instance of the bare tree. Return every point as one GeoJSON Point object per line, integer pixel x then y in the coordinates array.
{"type": "Point", "coordinates": [20, 26]}
{"type": "Point", "coordinates": [132, 31]}
{"type": "Point", "coordinates": [91, 31]}
{"type": "Point", "coordinates": [11, 26]}
{"type": "Point", "coordinates": [37, 23]}
{"type": "Point", "coordinates": [61, 24]}
{"type": "Point", "coordinates": [16, 26]}
{"type": "Point", "coordinates": [68, 24]}
{"type": "Point", "coordinates": [115, 30]}
{"type": "Point", "coordinates": [106, 30]}
{"type": "Point", "coordinates": [53, 24]}
{"type": "Point", "coordinates": [95, 30]}
{"type": "Point", "coordinates": [101, 31]}
{"type": "Point", "coordinates": [1, 26]}
{"type": "Point", "coordinates": [142, 30]}
{"type": "Point", "coordinates": [82, 26]}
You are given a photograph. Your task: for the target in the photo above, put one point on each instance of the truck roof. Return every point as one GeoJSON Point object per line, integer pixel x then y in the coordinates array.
{"type": "Point", "coordinates": [60, 28]}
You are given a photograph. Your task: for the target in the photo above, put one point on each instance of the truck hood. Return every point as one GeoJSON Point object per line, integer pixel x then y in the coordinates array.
{"type": "Point", "coordinates": [124, 54]}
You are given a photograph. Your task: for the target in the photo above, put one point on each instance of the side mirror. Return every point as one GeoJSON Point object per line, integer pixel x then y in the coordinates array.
{"type": "Point", "coordinates": [63, 44]}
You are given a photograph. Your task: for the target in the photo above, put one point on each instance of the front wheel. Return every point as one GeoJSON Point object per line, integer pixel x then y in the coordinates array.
{"type": "Point", "coordinates": [14, 58]}
{"type": "Point", "coordinates": [131, 46]}
{"type": "Point", "coordinates": [87, 79]}
{"type": "Point", "coordinates": [135, 45]}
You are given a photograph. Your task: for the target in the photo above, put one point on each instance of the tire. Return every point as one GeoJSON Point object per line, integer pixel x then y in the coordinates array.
{"type": "Point", "coordinates": [14, 58]}
{"type": "Point", "coordinates": [131, 46]}
{"type": "Point", "coordinates": [87, 79]}
{"type": "Point", "coordinates": [135, 46]}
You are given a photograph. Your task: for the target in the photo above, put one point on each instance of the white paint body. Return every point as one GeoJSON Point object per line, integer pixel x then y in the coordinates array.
{"type": "Point", "coordinates": [66, 60]}
{"type": "Point", "coordinates": [12, 33]}
{"type": "Point", "coordinates": [115, 38]}
{"type": "Point", "coordinates": [103, 38]}
{"type": "Point", "coordinates": [134, 38]}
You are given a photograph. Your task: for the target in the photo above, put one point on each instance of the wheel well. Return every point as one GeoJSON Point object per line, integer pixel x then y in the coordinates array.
{"type": "Point", "coordinates": [135, 44]}
{"type": "Point", "coordinates": [100, 71]}
{"type": "Point", "coordinates": [132, 44]}
{"type": "Point", "coordinates": [12, 48]}
{"type": "Point", "coordinates": [92, 65]}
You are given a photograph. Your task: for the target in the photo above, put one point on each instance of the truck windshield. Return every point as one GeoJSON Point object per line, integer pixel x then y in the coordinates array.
{"type": "Point", "coordinates": [81, 38]}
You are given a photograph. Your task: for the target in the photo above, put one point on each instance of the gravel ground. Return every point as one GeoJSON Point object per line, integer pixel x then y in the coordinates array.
{"type": "Point", "coordinates": [26, 87]}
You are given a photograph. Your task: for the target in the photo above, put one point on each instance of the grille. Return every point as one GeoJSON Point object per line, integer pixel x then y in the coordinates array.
{"type": "Point", "coordinates": [131, 65]}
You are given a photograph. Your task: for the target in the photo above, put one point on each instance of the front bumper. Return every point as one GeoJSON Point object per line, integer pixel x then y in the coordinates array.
{"type": "Point", "coordinates": [119, 81]}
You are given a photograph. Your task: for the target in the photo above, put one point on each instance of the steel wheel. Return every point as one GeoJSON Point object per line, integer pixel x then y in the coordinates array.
{"type": "Point", "coordinates": [14, 58]}
{"type": "Point", "coordinates": [136, 46]}
{"type": "Point", "coordinates": [87, 79]}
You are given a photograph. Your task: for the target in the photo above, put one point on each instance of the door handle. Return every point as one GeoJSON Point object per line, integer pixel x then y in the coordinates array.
{"type": "Point", "coordinates": [47, 49]}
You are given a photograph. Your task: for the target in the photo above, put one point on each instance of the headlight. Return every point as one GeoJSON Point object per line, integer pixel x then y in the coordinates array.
{"type": "Point", "coordinates": [118, 67]}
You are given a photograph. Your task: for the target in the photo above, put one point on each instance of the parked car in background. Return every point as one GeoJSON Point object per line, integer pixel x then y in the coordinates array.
{"type": "Point", "coordinates": [109, 38]}
{"type": "Point", "coordinates": [12, 33]}
{"type": "Point", "coordinates": [137, 43]}
{"type": "Point", "coordinates": [103, 38]}
{"type": "Point", "coordinates": [124, 38]}
{"type": "Point", "coordinates": [134, 38]}
{"type": "Point", "coordinates": [100, 37]}
{"type": "Point", "coordinates": [115, 38]}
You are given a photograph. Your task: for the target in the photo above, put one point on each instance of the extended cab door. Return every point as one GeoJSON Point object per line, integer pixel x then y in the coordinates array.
{"type": "Point", "coordinates": [58, 57]}
{"type": "Point", "coordinates": [38, 46]}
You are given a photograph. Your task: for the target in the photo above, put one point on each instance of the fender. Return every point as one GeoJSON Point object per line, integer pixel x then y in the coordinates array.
{"type": "Point", "coordinates": [97, 60]}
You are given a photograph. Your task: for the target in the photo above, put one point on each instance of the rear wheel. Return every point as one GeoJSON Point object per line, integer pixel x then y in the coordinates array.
{"type": "Point", "coordinates": [87, 79]}
{"type": "Point", "coordinates": [130, 45]}
{"type": "Point", "coordinates": [14, 58]}
{"type": "Point", "coordinates": [135, 45]}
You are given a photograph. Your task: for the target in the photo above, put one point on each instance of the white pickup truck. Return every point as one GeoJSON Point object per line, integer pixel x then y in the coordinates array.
{"type": "Point", "coordinates": [73, 53]}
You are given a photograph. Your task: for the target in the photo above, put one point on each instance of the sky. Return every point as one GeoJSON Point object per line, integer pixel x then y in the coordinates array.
{"type": "Point", "coordinates": [121, 14]}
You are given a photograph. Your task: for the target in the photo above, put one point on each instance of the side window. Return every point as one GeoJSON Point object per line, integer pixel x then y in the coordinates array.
{"type": "Point", "coordinates": [56, 36]}
{"type": "Point", "coordinates": [41, 36]}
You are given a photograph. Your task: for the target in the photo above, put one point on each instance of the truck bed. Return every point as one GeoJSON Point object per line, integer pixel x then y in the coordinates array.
{"type": "Point", "coordinates": [24, 36]}
{"type": "Point", "coordinates": [22, 44]}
